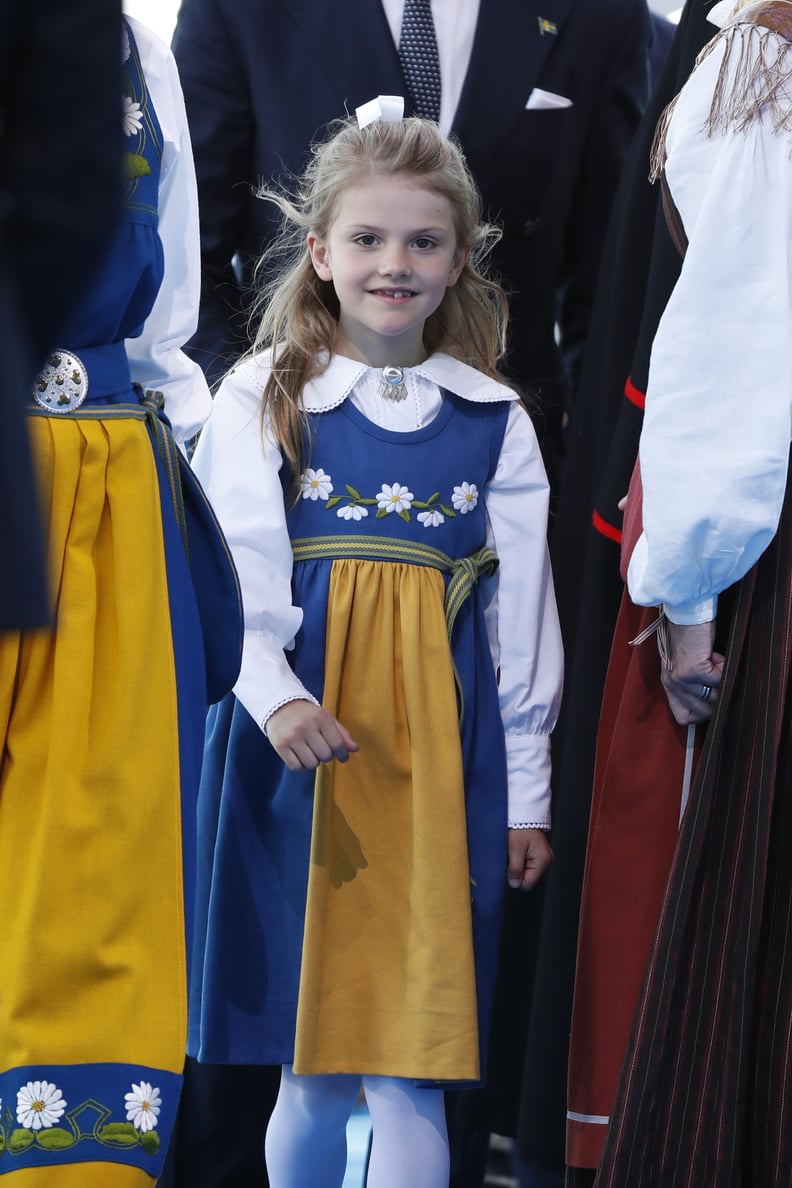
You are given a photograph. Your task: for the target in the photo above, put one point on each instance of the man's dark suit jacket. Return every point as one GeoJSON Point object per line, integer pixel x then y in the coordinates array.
{"type": "Point", "coordinates": [263, 77]}
{"type": "Point", "coordinates": [60, 192]}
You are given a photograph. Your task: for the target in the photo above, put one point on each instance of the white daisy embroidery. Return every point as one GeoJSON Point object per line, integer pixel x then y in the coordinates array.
{"type": "Point", "coordinates": [431, 519]}
{"type": "Point", "coordinates": [315, 484]}
{"type": "Point", "coordinates": [126, 49]}
{"type": "Point", "coordinates": [143, 1106]}
{"type": "Point", "coordinates": [394, 498]}
{"type": "Point", "coordinates": [39, 1105]}
{"type": "Point", "coordinates": [352, 511]}
{"type": "Point", "coordinates": [133, 117]}
{"type": "Point", "coordinates": [465, 498]}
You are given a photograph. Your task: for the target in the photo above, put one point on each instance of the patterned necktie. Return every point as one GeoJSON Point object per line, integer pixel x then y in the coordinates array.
{"type": "Point", "coordinates": [418, 57]}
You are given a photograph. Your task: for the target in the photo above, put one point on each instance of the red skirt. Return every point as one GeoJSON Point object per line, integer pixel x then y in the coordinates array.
{"type": "Point", "coordinates": [639, 776]}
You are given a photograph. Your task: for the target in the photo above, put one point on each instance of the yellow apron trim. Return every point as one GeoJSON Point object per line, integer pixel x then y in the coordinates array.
{"type": "Point", "coordinates": [464, 571]}
{"type": "Point", "coordinates": [387, 983]}
{"type": "Point", "coordinates": [92, 963]}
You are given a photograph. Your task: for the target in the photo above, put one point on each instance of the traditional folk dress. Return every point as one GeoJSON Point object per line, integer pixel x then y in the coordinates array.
{"type": "Point", "coordinates": [351, 915]}
{"type": "Point", "coordinates": [704, 1090]}
{"type": "Point", "coordinates": [102, 714]}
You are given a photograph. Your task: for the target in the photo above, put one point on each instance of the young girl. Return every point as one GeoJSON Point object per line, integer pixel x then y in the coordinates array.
{"type": "Point", "coordinates": [385, 501]}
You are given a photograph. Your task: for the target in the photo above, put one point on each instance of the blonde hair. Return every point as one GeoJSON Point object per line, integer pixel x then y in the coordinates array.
{"type": "Point", "coordinates": [297, 312]}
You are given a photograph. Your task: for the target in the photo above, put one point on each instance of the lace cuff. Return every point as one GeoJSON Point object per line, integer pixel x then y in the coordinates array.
{"type": "Point", "coordinates": [529, 825]}
{"type": "Point", "coordinates": [306, 696]}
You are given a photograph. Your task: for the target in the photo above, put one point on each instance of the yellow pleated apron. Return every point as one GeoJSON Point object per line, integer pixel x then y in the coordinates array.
{"type": "Point", "coordinates": [387, 982]}
{"type": "Point", "coordinates": [92, 961]}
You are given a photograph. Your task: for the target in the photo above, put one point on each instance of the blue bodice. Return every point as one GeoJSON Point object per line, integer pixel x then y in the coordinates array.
{"type": "Point", "coordinates": [123, 293]}
{"type": "Point", "coordinates": [422, 487]}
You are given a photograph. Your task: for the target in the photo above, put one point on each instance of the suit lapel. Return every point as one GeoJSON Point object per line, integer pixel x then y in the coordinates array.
{"type": "Point", "coordinates": [509, 52]}
{"type": "Point", "coordinates": [352, 40]}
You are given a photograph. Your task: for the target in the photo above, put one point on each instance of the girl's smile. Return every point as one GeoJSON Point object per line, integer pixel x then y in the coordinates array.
{"type": "Point", "coordinates": [391, 253]}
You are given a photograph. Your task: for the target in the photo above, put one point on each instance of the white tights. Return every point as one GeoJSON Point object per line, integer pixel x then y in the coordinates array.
{"type": "Point", "coordinates": [306, 1137]}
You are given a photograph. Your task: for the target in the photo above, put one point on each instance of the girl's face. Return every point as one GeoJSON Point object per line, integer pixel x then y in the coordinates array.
{"type": "Point", "coordinates": [391, 253]}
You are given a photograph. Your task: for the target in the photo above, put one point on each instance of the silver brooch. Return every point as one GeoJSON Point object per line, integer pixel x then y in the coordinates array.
{"type": "Point", "coordinates": [63, 383]}
{"type": "Point", "coordinates": [392, 383]}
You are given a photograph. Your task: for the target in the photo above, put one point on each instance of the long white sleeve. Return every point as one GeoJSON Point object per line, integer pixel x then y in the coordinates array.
{"type": "Point", "coordinates": [239, 467]}
{"type": "Point", "coordinates": [523, 621]}
{"type": "Point", "coordinates": [156, 358]}
{"type": "Point", "coordinates": [716, 434]}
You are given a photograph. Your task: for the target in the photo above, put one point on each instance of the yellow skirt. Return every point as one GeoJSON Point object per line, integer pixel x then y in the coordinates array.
{"type": "Point", "coordinates": [92, 963]}
{"type": "Point", "coordinates": [387, 983]}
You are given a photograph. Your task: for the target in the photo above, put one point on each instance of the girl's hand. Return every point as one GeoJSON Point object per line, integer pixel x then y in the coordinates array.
{"type": "Point", "coordinates": [305, 735]}
{"type": "Point", "coordinates": [529, 857]}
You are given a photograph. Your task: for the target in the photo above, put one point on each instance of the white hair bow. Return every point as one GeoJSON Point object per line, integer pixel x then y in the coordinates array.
{"type": "Point", "coordinates": [384, 107]}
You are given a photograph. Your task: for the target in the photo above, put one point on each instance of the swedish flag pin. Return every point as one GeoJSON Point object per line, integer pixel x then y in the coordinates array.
{"type": "Point", "coordinates": [547, 28]}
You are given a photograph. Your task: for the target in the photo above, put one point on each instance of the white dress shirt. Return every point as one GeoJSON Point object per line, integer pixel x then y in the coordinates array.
{"type": "Point", "coordinates": [716, 434]}
{"type": "Point", "coordinates": [455, 28]}
{"type": "Point", "coordinates": [238, 462]}
{"type": "Point", "coordinates": [156, 358]}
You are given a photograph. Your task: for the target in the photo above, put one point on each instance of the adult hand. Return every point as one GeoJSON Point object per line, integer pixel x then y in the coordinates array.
{"type": "Point", "coordinates": [305, 735]}
{"type": "Point", "coordinates": [529, 857]}
{"type": "Point", "coordinates": [692, 668]}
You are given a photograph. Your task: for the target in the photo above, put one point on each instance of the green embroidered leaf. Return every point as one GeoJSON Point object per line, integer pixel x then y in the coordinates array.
{"type": "Point", "coordinates": [367, 502]}
{"type": "Point", "coordinates": [355, 494]}
{"type": "Point", "coordinates": [135, 165]}
{"type": "Point", "coordinates": [55, 1139]}
{"type": "Point", "coordinates": [20, 1140]}
{"type": "Point", "coordinates": [150, 1142]}
{"type": "Point", "coordinates": [381, 514]}
{"type": "Point", "coordinates": [434, 498]}
{"type": "Point", "coordinates": [419, 503]}
{"type": "Point", "coordinates": [404, 515]}
{"type": "Point", "coordinates": [333, 501]}
{"type": "Point", "coordinates": [119, 1134]}
{"type": "Point", "coordinates": [449, 511]}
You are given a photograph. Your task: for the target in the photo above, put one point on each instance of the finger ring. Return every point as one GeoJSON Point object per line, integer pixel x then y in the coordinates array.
{"type": "Point", "coordinates": [705, 692]}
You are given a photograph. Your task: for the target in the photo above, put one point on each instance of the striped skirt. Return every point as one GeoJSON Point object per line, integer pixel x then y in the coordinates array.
{"type": "Point", "coordinates": [703, 1098]}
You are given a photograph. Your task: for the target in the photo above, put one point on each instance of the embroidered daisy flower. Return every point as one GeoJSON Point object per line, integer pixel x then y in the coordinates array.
{"type": "Point", "coordinates": [431, 519]}
{"type": "Point", "coordinates": [465, 498]}
{"type": "Point", "coordinates": [133, 117]}
{"type": "Point", "coordinates": [394, 498]}
{"type": "Point", "coordinates": [39, 1105]}
{"type": "Point", "coordinates": [143, 1106]}
{"type": "Point", "coordinates": [352, 511]}
{"type": "Point", "coordinates": [126, 49]}
{"type": "Point", "coordinates": [315, 484]}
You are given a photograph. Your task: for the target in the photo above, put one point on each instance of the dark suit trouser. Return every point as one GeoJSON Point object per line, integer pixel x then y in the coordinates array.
{"type": "Point", "coordinates": [218, 1141]}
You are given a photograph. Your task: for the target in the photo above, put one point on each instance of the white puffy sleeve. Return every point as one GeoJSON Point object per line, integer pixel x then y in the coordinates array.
{"type": "Point", "coordinates": [156, 358]}
{"type": "Point", "coordinates": [239, 466]}
{"type": "Point", "coordinates": [522, 619]}
{"type": "Point", "coordinates": [716, 434]}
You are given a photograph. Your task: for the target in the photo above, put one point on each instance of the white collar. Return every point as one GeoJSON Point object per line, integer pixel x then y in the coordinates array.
{"type": "Point", "coordinates": [719, 13]}
{"type": "Point", "coordinates": [332, 387]}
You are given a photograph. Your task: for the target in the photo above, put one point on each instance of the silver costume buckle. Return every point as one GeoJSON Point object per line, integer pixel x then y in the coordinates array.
{"type": "Point", "coordinates": [62, 385]}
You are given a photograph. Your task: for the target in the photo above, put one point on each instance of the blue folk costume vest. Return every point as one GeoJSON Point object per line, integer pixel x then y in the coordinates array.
{"type": "Point", "coordinates": [388, 528]}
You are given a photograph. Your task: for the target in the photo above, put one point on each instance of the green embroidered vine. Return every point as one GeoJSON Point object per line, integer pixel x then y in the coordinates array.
{"type": "Point", "coordinates": [353, 498]}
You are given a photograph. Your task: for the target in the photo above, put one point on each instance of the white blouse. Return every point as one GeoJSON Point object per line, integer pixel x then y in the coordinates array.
{"type": "Point", "coordinates": [238, 462]}
{"type": "Point", "coordinates": [716, 434]}
{"type": "Point", "coordinates": [156, 358]}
